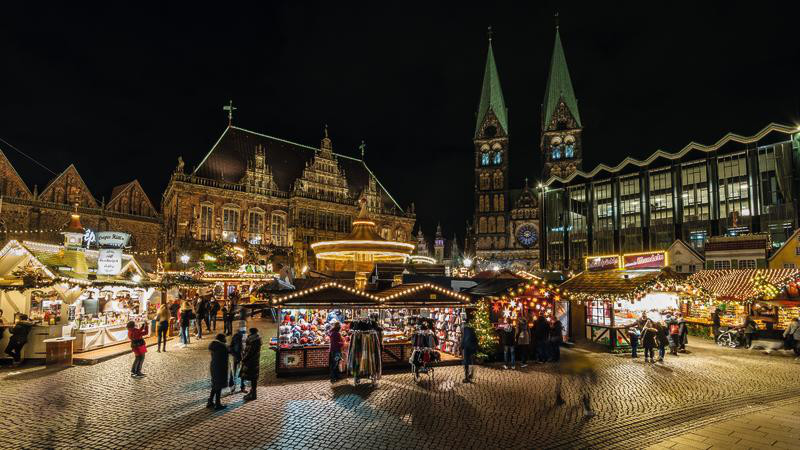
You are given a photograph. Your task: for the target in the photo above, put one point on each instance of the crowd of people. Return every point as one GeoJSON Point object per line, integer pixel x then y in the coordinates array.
{"type": "Point", "coordinates": [672, 332]}
{"type": "Point", "coordinates": [538, 339]}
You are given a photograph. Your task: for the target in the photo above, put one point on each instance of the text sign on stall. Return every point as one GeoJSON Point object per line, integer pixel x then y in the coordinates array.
{"type": "Point", "coordinates": [602, 263]}
{"type": "Point", "coordinates": [655, 260]}
{"type": "Point", "coordinates": [112, 239]}
{"type": "Point", "coordinates": [109, 261]}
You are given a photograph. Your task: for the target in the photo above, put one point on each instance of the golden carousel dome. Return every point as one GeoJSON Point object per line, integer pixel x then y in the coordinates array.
{"type": "Point", "coordinates": [363, 243]}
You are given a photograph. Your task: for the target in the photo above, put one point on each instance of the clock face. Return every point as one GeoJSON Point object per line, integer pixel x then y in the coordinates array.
{"type": "Point", "coordinates": [526, 235]}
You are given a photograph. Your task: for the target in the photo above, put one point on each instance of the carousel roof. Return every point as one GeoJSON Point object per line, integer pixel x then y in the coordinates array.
{"type": "Point", "coordinates": [363, 240]}
{"type": "Point", "coordinates": [737, 284]}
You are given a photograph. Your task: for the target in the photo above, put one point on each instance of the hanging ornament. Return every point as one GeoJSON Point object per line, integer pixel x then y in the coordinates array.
{"type": "Point", "coordinates": [513, 304]}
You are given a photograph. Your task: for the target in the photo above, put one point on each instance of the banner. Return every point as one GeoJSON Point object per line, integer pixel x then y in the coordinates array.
{"type": "Point", "coordinates": [109, 261]}
{"type": "Point", "coordinates": [602, 263]}
{"type": "Point", "coordinates": [112, 239]}
{"type": "Point", "coordinates": [655, 260]}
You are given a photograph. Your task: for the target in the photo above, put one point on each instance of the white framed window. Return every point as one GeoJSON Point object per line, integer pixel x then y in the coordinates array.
{"type": "Point", "coordinates": [722, 264]}
{"type": "Point", "coordinates": [679, 268]}
{"type": "Point", "coordinates": [255, 225]}
{"type": "Point", "coordinates": [788, 266]}
{"type": "Point", "coordinates": [747, 263]}
{"type": "Point", "coordinates": [206, 222]}
{"type": "Point", "coordinates": [692, 268]}
{"type": "Point", "coordinates": [278, 228]}
{"type": "Point", "coordinates": [230, 224]}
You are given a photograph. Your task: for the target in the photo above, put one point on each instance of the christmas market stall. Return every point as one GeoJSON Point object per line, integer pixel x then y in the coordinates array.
{"type": "Point", "coordinates": [532, 298]}
{"type": "Point", "coordinates": [305, 317]}
{"type": "Point", "coordinates": [770, 296]}
{"type": "Point", "coordinates": [606, 302]}
{"type": "Point", "coordinates": [68, 291]}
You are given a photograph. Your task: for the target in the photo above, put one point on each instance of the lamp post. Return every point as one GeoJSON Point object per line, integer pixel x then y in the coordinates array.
{"type": "Point", "coordinates": [185, 261]}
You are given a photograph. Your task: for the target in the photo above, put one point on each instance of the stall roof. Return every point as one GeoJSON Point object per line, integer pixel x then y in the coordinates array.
{"type": "Point", "coordinates": [330, 293]}
{"type": "Point", "coordinates": [614, 282]}
{"type": "Point", "coordinates": [421, 294]}
{"type": "Point", "coordinates": [494, 287]}
{"type": "Point", "coordinates": [737, 284]}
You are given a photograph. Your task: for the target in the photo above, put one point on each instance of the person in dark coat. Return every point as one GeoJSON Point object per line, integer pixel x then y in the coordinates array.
{"type": "Point", "coordinates": [715, 321]}
{"type": "Point", "coordinates": [469, 347]}
{"type": "Point", "coordinates": [662, 340]}
{"type": "Point", "coordinates": [201, 313]}
{"type": "Point", "coordinates": [219, 371]}
{"type": "Point", "coordinates": [649, 332]}
{"type": "Point", "coordinates": [335, 351]}
{"type": "Point", "coordinates": [541, 331]}
{"type": "Point", "coordinates": [508, 338]}
{"type": "Point", "coordinates": [236, 349]}
{"type": "Point", "coordinates": [684, 333]}
{"type": "Point", "coordinates": [18, 338]}
{"type": "Point", "coordinates": [251, 361]}
{"type": "Point", "coordinates": [556, 338]}
{"type": "Point", "coordinates": [750, 328]}
{"type": "Point", "coordinates": [213, 309]}
{"type": "Point", "coordinates": [227, 318]}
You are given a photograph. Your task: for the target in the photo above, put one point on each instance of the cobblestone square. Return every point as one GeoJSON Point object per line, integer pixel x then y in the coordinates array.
{"type": "Point", "coordinates": [638, 405]}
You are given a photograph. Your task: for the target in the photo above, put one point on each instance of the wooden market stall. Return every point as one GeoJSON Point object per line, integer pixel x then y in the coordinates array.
{"type": "Point", "coordinates": [606, 303]}
{"type": "Point", "coordinates": [771, 296]}
{"type": "Point", "coordinates": [305, 314]}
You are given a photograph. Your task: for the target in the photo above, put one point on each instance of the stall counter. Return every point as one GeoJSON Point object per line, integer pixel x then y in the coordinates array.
{"type": "Point", "coordinates": [314, 358]}
{"type": "Point", "coordinates": [101, 336]}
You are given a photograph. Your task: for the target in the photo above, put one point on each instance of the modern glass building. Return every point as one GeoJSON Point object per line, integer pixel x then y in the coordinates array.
{"type": "Point", "coordinates": [741, 184]}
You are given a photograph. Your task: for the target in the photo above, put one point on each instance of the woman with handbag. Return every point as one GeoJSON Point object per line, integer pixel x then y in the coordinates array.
{"type": "Point", "coordinates": [139, 347]}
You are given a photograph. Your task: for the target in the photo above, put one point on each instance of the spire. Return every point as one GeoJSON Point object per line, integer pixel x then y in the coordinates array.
{"type": "Point", "coordinates": [491, 93]}
{"type": "Point", "coordinates": [559, 85]}
{"type": "Point", "coordinates": [439, 230]}
{"type": "Point", "coordinates": [325, 145]}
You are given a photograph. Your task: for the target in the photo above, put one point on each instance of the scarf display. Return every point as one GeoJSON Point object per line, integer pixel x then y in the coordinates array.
{"type": "Point", "coordinates": [364, 354]}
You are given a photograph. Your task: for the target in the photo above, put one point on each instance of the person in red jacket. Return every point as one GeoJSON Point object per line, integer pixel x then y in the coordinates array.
{"type": "Point", "coordinates": [139, 346]}
{"type": "Point", "coordinates": [335, 354]}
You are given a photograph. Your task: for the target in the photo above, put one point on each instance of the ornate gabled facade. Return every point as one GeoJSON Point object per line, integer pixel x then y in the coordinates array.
{"type": "Point", "coordinates": [561, 146]}
{"type": "Point", "coordinates": [494, 234]}
{"type": "Point", "coordinates": [34, 216]}
{"type": "Point", "coordinates": [264, 190]}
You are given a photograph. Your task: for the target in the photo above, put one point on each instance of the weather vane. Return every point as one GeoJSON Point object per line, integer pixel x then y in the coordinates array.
{"type": "Point", "coordinates": [230, 108]}
{"type": "Point", "coordinates": [362, 147]}
{"type": "Point", "coordinates": [489, 33]}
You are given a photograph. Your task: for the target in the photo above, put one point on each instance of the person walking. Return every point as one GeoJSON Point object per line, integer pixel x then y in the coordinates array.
{"type": "Point", "coordinates": [185, 321]}
{"type": "Point", "coordinates": [749, 329]}
{"type": "Point", "coordinates": [578, 365]}
{"type": "Point", "coordinates": [227, 318]}
{"type": "Point", "coordinates": [556, 338]}
{"type": "Point", "coordinates": [792, 336]}
{"type": "Point", "coordinates": [335, 351]}
{"type": "Point", "coordinates": [507, 339]}
{"type": "Point", "coordinates": [139, 347]}
{"type": "Point", "coordinates": [236, 349]}
{"type": "Point", "coordinates": [219, 371]}
{"type": "Point", "coordinates": [469, 346]}
{"type": "Point", "coordinates": [213, 309]}
{"type": "Point", "coordinates": [683, 328]}
{"type": "Point", "coordinates": [523, 341]}
{"type": "Point", "coordinates": [541, 333]}
{"type": "Point", "coordinates": [715, 321]}
{"type": "Point", "coordinates": [18, 338]}
{"type": "Point", "coordinates": [201, 315]}
{"type": "Point", "coordinates": [251, 362]}
{"type": "Point", "coordinates": [162, 317]}
{"type": "Point", "coordinates": [649, 333]}
{"type": "Point", "coordinates": [662, 340]}
{"type": "Point", "coordinates": [674, 335]}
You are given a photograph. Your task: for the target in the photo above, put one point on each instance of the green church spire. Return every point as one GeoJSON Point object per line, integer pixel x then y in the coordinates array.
{"type": "Point", "coordinates": [491, 94]}
{"type": "Point", "coordinates": [559, 86]}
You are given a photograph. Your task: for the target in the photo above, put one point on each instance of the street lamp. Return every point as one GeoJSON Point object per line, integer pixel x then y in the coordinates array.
{"type": "Point", "coordinates": [467, 262]}
{"type": "Point", "coordinates": [185, 261]}
{"type": "Point", "coordinates": [136, 278]}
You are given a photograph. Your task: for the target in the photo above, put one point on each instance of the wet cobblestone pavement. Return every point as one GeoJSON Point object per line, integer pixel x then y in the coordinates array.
{"type": "Point", "coordinates": [637, 404]}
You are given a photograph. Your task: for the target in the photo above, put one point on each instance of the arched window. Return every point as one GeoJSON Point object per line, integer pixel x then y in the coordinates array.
{"type": "Point", "coordinates": [492, 225]}
{"type": "Point", "coordinates": [502, 203]}
{"type": "Point", "coordinates": [498, 157]}
{"type": "Point", "coordinates": [482, 225]}
{"type": "Point", "coordinates": [481, 203]}
{"type": "Point", "coordinates": [385, 233]}
{"type": "Point", "coordinates": [557, 152]}
{"type": "Point", "coordinates": [498, 180]}
{"type": "Point", "coordinates": [399, 236]}
{"type": "Point", "coordinates": [255, 225]}
{"type": "Point", "coordinates": [278, 229]}
{"type": "Point", "coordinates": [485, 159]}
{"type": "Point", "coordinates": [501, 224]}
{"type": "Point", "coordinates": [569, 151]}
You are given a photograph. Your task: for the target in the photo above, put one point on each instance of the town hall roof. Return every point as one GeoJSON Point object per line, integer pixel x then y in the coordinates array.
{"type": "Point", "coordinates": [227, 161]}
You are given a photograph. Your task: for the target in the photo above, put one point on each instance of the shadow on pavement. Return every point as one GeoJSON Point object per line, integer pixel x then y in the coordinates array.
{"type": "Point", "coordinates": [35, 373]}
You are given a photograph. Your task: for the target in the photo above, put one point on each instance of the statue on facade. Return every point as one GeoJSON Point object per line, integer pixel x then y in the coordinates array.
{"type": "Point", "coordinates": [179, 169]}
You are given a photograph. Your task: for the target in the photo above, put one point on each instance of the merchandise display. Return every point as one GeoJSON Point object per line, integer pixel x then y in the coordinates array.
{"type": "Point", "coordinates": [364, 351]}
{"type": "Point", "coordinates": [448, 329]}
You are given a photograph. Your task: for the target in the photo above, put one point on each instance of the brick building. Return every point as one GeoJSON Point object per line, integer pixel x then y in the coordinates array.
{"type": "Point", "coordinates": [39, 216]}
{"type": "Point", "coordinates": [272, 193]}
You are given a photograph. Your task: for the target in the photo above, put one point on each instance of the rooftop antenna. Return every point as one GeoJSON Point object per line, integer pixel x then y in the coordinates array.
{"type": "Point", "coordinates": [230, 108]}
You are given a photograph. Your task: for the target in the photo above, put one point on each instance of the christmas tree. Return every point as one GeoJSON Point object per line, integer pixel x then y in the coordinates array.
{"type": "Point", "coordinates": [487, 339]}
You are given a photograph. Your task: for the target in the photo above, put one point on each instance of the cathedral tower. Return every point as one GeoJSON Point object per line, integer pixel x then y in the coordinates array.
{"type": "Point", "coordinates": [561, 146]}
{"type": "Point", "coordinates": [491, 164]}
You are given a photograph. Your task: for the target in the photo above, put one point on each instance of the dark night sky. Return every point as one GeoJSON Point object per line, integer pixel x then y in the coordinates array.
{"type": "Point", "coordinates": [121, 92]}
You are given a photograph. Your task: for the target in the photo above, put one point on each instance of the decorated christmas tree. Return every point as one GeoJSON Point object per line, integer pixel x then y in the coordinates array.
{"type": "Point", "coordinates": [487, 339]}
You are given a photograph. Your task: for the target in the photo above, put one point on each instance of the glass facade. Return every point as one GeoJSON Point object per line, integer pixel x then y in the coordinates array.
{"type": "Point", "coordinates": [648, 208]}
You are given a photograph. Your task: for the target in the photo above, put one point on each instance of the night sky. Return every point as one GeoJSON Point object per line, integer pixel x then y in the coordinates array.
{"type": "Point", "coordinates": [121, 92]}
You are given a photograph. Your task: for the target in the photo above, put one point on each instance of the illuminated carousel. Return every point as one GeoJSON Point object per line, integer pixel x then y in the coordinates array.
{"type": "Point", "coordinates": [361, 249]}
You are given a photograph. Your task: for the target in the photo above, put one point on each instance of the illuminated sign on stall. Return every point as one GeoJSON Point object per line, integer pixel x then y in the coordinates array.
{"type": "Point", "coordinates": [594, 263]}
{"type": "Point", "coordinates": [650, 260]}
